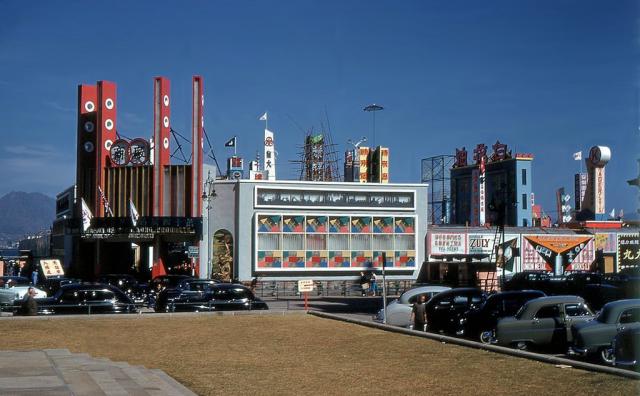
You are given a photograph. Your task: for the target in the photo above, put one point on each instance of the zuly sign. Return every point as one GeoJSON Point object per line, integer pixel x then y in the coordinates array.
{"type": "Point", "coordinates": [558, 253]}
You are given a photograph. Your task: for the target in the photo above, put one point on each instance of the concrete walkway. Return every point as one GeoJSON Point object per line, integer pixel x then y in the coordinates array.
{"type": "Point", "coordinates": [60, 372]}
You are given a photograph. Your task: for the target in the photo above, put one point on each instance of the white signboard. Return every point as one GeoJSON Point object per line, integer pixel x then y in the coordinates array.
{"type": "Point", "coordinates": [305, 285]}
{"type": "Point", "coordinates": [448, 244]}
{"type": "Point", "coordinates": [51, 268]}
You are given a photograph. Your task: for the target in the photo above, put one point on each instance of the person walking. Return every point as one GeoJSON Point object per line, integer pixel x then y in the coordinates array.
{"type": "Point", "coordinates": [419, 314]}
{"type": "Point", "coordinates": [29, 304]}
{"type": "Point", "coordinates": [374, 284]}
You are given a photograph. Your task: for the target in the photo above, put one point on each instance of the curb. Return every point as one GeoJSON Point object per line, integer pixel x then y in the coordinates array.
{"type": "Point", "coordinates": [492, 348]}
{"type": "Point", "coordinates": [265, 312]}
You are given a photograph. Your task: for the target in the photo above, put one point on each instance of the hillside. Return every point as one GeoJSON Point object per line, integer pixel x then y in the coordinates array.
{"type": "Point", "coordinates": [24, 213]}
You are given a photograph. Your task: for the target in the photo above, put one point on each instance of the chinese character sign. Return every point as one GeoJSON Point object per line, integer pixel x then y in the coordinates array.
{"type": "Point", "coordinates": [628, 250]}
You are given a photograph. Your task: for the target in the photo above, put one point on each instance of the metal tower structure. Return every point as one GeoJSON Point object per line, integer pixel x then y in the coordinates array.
{"type": "Point", "coordinates": [318, 159]}
{"type": "Point", "coordinates": [436, 172]}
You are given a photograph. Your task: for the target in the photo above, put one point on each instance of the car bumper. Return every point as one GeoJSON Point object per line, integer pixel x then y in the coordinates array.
{"type": "Point", "coordinates": [625, 363]}
{"type": "Point", "coordinates": [574, 350]}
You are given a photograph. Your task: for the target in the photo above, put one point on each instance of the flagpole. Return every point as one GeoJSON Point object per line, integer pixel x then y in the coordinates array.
{"type": "Point", "coordinates": [235, 145]}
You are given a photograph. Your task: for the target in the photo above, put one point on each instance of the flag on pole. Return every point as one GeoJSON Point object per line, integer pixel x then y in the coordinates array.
{"type": "Point", "coordinates": [133, 212]}
{"type": "Point", "coordinates": [264, 117]}
{"type": "Point", "coordinates": [105, 202]}
{"type": "Point", "coordinates": [231, 142]}
{"type": "Point", "coordinates": [86, 216]}
{"type": "Point", "coordinates": [577, 156]}
{"type": "Point", "coordinates": [613, 213]}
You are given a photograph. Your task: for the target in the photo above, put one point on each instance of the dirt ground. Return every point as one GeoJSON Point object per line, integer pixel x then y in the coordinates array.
{"type": "Point", "coordinates": [300, 354]}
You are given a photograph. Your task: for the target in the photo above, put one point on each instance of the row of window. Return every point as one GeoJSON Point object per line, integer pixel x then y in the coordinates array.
{"type": "Point", "coordinates": [323, 224]}
{"type": "Point", "coordinates": [335, 242]}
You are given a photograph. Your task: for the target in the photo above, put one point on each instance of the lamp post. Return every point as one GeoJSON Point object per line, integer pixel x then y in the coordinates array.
{"type": "Point", "coordinates": [208, 194]}
{"type": "Point", "coordinates": [373, 108]}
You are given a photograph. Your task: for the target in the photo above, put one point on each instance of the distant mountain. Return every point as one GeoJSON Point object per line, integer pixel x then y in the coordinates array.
{"type": "Point", "coordinates": [24, 213]}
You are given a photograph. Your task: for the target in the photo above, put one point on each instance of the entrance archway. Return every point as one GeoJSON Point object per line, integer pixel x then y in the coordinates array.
{"type": "Point", "coordinates": [222, 262]}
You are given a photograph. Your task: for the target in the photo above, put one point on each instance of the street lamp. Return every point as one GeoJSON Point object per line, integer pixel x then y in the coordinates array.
{"type": "Point", "coordinates": [373, 108]}
{"type": "Point", "coordinates": [208, 193]}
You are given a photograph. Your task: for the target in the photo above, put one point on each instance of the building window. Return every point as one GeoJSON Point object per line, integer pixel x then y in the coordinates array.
{"type": "Point", "coordinates": [524, 201]}
{"type": "Point", "coordinates": [524, 177]}
{"type": "Point", "coordinates": [525, 223]}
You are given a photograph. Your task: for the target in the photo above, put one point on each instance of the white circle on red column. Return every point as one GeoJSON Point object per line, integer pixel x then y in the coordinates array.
{"type": "Point", "coordinates": [165, 143]}
{"type": "Point", "coordinates": [89, 106]}
{"type": "Point", "coordinates": [202, 100]}
{"type": "Point", "coordinates": [108, 103]}
{"type": "Point", "coordinates": [108, 124]}
{"type": "Point", "coordinates": [107, 144]}
{"type": "Point", "coordinates": [202, 120]}
{"type": "Point", "coordinates": [165, 121]}
{"type": "Point", "coordinates": [89, 126]}
{"type": "Point", "coordinates": [165, 99]}
{"type": "Point", "coordinates": [88, 147]}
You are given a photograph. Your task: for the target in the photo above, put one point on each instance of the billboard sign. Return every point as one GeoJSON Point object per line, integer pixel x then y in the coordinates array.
{"type": "Point", "coordinates": [557, 253]}
{"type": "Point", "coordinates": [448, 244]}
{"type": "Point", "coordinates": [628, 250]}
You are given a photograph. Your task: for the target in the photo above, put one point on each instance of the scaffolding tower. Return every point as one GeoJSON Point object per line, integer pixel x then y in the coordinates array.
{"type": "Point", "coordinates": [318, 159]}
{"type": "Point", "coordinates": [436, 172]}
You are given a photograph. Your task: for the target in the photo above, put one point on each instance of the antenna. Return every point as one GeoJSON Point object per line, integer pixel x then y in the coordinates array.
{"type": "Point", "coordinates": [357, 144]}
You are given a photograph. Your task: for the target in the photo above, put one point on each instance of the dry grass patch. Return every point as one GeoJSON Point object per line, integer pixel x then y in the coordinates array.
{"type": "Point", "coordinates": [300, 354]}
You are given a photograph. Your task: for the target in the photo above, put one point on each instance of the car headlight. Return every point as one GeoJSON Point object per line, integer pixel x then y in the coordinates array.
{"type": "Point", "coordinates": [463, 320]}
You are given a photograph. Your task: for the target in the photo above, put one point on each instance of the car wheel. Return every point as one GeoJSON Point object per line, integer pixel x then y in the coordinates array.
{"type": "Point", "coordinates": [486, 336]}
{"type": "Point", "coordinates": [606, 355]}
{"type": "Point", "coordinates": [521, 345]}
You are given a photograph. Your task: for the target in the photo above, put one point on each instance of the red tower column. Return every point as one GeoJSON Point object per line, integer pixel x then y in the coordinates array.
{"type": "Point", "coordinates": [86, 145]}
{"type": "Point", "coordinates": [196, 146]}
{"type": "Point", "coordinates": [161, 138]}
{"type": "Point", "coordinates": [105, 136]}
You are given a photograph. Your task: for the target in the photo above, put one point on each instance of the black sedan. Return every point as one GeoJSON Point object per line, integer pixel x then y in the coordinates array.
{"type": "Point", "coordinates": [445, 309]}
{"type": "Point", "coordinates": [481, 322]}
{"type": "Point", "coordinates": [199, 297]}
{"type": "Point", "coordinates": [626, 349]}
{"type": "Point", "coordinates": [86, 298]}
{"type": "Point", "coordinates": [128, 284]}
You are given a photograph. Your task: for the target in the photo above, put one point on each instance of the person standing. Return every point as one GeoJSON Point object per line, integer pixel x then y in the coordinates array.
{"type": "Point", "coordinates": [374, 284]}
{"type": "Point", "coordinates": [29, 304]}
{"type": "Point", "coordinates": [364, 283]}
{"type": "Point", "coordinates": [34, 276]}
{"type": "Point", "coordinates": [419, 314]}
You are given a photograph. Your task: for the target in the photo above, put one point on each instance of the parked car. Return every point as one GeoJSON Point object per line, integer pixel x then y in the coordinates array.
{"type": "Point", "coordinates": [211, 297]}
{"type": "Point", "coordinates": [52, 284]}
{"type": "Point", "coordinates": [15, 288]}
{"type": "Point", "coordinates": [481, 321]}
{"type": "Point", "coordinates": [544, 321]}
{"type": "Point", "coordinates": [626, 349]}
{"type": "Point", "coordinates": [596, 336]}
{"type": "Point", "coordinates": [128, 284]}
{"type": "Point", "coordinates": [528, 280]}
{"type": "Point", "coordinates": [86, 298]}
{"type": "Point", "coordinates": [445, 309]}
{"type": "Point", "coordinates": [399, 310]}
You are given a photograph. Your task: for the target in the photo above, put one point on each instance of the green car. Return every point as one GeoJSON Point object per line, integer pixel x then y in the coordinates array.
{"type": "Point", "coordinates": [543, 322]}
{"type": "Point", "coordinates": [595, 336]}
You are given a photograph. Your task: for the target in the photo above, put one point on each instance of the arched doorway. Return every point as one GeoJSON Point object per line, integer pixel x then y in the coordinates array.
{"type": "Point", "coordinates": [222, 260]}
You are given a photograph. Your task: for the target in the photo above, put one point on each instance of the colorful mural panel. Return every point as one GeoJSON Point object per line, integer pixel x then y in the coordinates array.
{"type": "Point", "coordinates": [339, 224]}
{"type": "Point", "coordinates": [270, 259]}
{"type": "Point", "coordinates": [316, 223]}
{"type": "Point", "coordinates": [340, 259]}
{"type": "Point", "coordinates": [317, 259]}
{"type": "Point", "coordinates": [405, 258]}
{"type": "Point", "coordinates": [361, 258]}
{"type": "Point", "coordinates": [292, 224]}
{"type": "Point", "coordinates": [360, 225]}
{"type": "Point", "coordinates": [383, 225]}
{"type": "Point", "coordinates": [405, 225]}
{"type": "Point", "coordinates": [293, 259]}
{"type": "Point", "coordinates": [269, 223]}
{"type": "Point", "coordinates": [377, 258]}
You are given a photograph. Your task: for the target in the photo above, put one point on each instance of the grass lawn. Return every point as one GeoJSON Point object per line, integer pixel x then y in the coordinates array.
{"type": "Point", "coordinates": [300, 354]}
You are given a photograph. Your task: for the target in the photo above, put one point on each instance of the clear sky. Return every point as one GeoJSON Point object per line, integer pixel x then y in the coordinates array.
{"type": "Point", "coordinates": [546, 77]}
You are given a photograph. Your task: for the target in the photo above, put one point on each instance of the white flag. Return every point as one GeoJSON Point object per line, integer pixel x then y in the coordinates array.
{"type": "Point", "coordinates": [86, 216]}
{"type": "Point", "coordinates": [613, 213]}
{"type": "Point", "coordinates": [577, 156]}
{"type": "Point", "coordinates": [133, 212]}
{"type": "Point", "coordinates": [264, 117]}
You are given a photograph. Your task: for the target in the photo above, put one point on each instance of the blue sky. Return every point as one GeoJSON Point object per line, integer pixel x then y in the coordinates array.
{"type": "Point", "coordinates": [546, 77]}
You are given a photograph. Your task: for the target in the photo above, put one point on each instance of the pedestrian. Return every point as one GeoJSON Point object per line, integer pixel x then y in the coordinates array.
{"type": "Point", "coordinates": [29, 305]}
{"type": "Point", "coordinates": [419, 314]}
{"type": "Point", "coordinates": [374, 284]}
{"type": "Point", "coordinates": [34, 276]}
{"type": "Point", "coordinates": [364, 283]}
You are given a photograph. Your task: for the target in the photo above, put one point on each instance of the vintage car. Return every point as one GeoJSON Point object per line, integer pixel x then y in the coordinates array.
{"type": "Point", "coordinates": [528, 280]}
{"type": "Point", "coordinates": [445, 309]}
{"type": "Point", "coordinates": [128, 284]}
{"type": "Point", "coordinates": [595, 336]}
{"type": "Point", "coordinates": [544, 321]}
{"type": "Point", "coordinates": [14, 288]}
{"type": "Point", "coordinates": [86, 298]}
{"type": "Point", "coordinates": [626, 349]}
{"type": "Point", "coordinates": [480, 322]}
{"type": "Point", "coordinates": [399, 310]}
{"type": "Point", "coordinates": [208, 297]}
